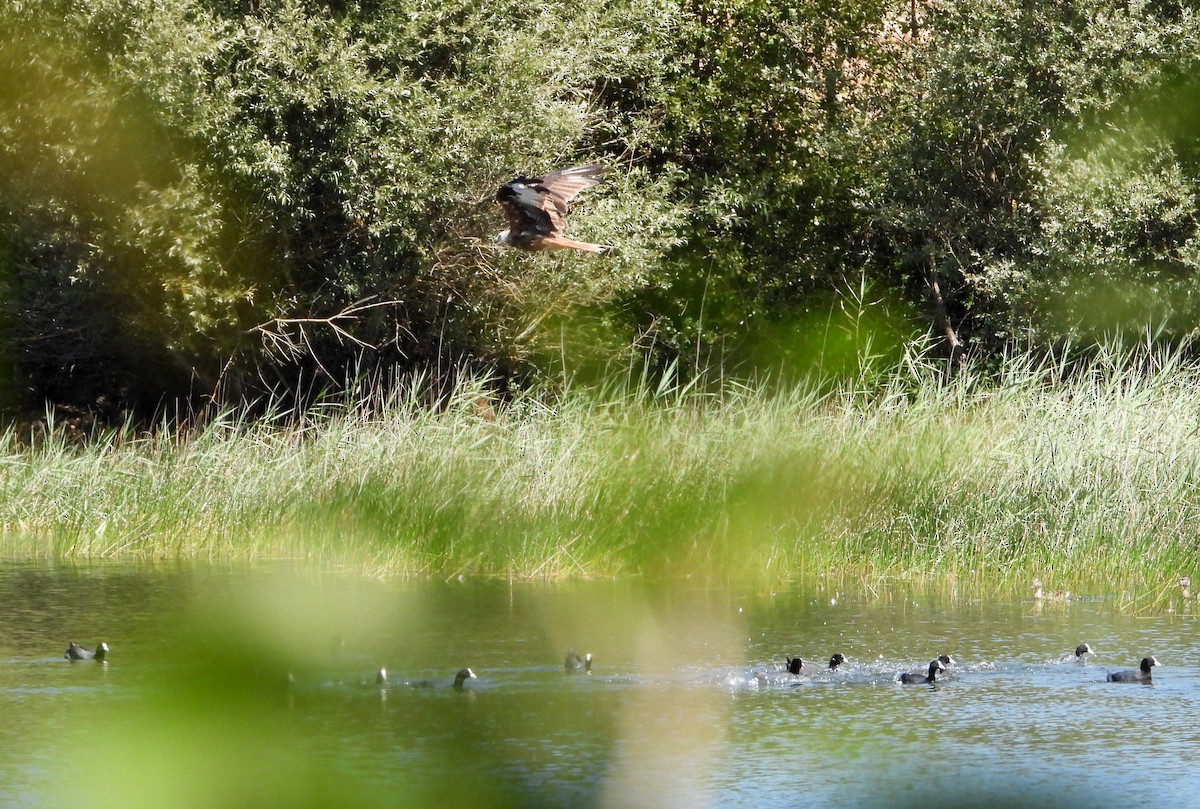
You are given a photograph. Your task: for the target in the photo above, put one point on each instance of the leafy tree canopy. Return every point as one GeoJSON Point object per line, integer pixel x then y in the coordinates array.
{"type": "Point", "coordinates": [229, 199]}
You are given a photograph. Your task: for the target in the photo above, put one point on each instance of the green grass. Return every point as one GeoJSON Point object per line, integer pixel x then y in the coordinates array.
{"type": "Point", "coordinates": [1089, 477]}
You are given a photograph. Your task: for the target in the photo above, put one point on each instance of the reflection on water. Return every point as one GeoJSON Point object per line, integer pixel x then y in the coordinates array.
{"type": "Point", "coordinates": [256, 686]}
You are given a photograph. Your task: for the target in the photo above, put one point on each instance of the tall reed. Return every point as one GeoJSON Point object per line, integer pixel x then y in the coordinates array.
{"type": "Point", "coordinates": [1073, 474]}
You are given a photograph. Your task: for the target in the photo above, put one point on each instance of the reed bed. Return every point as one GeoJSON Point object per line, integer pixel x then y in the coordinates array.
{"type": "Point", "coordinates": [1082, 476]}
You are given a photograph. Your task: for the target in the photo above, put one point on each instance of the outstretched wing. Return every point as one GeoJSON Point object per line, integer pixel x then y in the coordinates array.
{"type": "Point", "coordinates": [538, 206]}
{"type": "Point", "coordinates": [562, 186]}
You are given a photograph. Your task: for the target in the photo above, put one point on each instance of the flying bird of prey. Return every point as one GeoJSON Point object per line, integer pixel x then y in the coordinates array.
{"type": "Point", "coordinates": [536, 208]}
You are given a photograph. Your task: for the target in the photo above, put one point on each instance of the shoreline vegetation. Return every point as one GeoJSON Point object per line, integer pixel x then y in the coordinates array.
{"type": "Point", "coordinates": [1083, 476]}
{"type": "Point", "coordinates": [206, 203]}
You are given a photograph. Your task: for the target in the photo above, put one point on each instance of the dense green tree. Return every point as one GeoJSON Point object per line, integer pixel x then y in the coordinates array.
{"type": "Point", "coordinates": [281, 194]}
{"type": "Point", "coordinates": [765, 109]}
{"type": "Point", "coordinates": [982, 198]}
{"type": "Point", "coordinates": [236, 198]}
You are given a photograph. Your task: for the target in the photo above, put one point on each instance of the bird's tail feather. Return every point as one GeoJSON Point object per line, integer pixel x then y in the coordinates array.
{"type": "Point", "coordinates": [563, 243]}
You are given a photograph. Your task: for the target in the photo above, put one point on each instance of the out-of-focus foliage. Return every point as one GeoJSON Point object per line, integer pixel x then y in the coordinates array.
{"type": "Point", "coordinates": [225, 198]}
{"type": "Point", "coordinates": [1118, 247]}
{"type": "Point", "coordinates": [994, 182]}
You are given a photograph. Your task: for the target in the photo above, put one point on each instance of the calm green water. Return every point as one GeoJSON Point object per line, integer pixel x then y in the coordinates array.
{"type": "Point", "coordinates": [195, 706]}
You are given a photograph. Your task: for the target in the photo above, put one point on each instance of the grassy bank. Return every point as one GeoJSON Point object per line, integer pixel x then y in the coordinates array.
{"type": "Point", "coordinates": [1083, 478]}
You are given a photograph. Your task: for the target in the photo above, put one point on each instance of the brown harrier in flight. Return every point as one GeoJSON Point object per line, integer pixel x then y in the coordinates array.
{"type": "Point", "coordinates": [536, 208]}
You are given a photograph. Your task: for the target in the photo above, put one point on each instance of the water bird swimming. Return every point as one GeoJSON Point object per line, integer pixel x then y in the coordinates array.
{"type": "Point", "coordinates": [935, 666]}
{"type": "Point", "coordinates": [460, 678]}
{"type": "Point", "coordinates": [795, 665]}
{"type": "Point", "coordinates": [1142, 675]}
{"type": "Point", "coordinates": [1053, 595]}
{"type": "Point", "coordinates": [77, 652]}
{"type": "Point", "coordinates": [1081, 652]}
{"type": "Point", "coordinates": [576, 663]}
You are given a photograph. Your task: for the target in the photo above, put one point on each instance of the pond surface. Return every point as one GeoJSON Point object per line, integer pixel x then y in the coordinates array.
{"type": "Point", "coordinates": [254, 686]}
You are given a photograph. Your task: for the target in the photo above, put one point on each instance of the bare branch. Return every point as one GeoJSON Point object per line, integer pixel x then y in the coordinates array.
{"type": "Point", "coordinates": [290, 336]}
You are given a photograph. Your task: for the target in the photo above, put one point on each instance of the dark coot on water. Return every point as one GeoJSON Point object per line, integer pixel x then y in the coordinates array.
{"type": "Point", "coordinates": [380, 680]}
{"type": "Point", "coordinates": [798, 666]}
{"type": "Point", "coordinates": [1082, 650]}
{"type": "Point", "coordinates": [77, 652]}
{"type": "Point", "coordinates": [935, 666]}
{"type": "Point", "coordinates": [795, 665]}
{"type": "Point", "coordinates": [460, 678]}
{"type": "Point", "coordinates": [1142, 675]}
{"type": "Point", "coordinates": [576, 663]}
